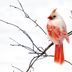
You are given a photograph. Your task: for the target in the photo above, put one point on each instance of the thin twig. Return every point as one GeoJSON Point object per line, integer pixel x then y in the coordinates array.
{"type": "Point", "coordinates": [14, 40]}
{"type": "Point", "coordinates": [34, 59]}
{"type": "Point", "coordinates": [27, 16]}
{"type": "Point", "coordinates": [26, 47]}
{"type": "Point", "coordinates": [20, 30]}
{"type": "Point", "coordinates": [15, 7]}
{"type": "Point", "coordinates": [68, 62]}
{"type": "Point", "coordinates": [18, 44]}
{"type": "Point", "coordinates": [17, 68]}
{"type": "Point", "coordinates": [53, 56]}
{"type": "Point", "coordinates": [24, 32]}
{"type": "Point", "coordinates": [31, 64]}
{"type": "Point", "coordinates": [69, 33]}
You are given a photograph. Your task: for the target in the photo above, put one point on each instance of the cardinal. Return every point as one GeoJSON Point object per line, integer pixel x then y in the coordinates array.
{"type": "Point", "coordinates": [57, 32]}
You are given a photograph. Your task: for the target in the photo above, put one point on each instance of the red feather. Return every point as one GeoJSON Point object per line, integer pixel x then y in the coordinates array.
{"type": "Point", "coordinates": [59, 53]}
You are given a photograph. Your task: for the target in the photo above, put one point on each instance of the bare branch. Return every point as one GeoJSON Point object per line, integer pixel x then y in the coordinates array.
{"type": "Point", "coordinates": [69, 33]}
{"type": "Point", "coordinates": [68, 62]}
{"type": "Point", "coordinates": [15, 7]}
{"type": "Point", "coordinates": [53, 56]}
{"type": "Point", "coordinates": [37, 57]}
{"type": "Point", "coordinates": [34, 59]}
{"type": "Point", "coordinates": [21, 6]}
{"type": "Point", "coordinates": [26, 47]}
{"type": "Point", "coordinates": [27, 16]}
{"type": "Point", "coordinates": [17, 68]}
{"type": "Point", "coordinates": [14, 40]}
{"type": "Point", "coordinates": [24, 32]}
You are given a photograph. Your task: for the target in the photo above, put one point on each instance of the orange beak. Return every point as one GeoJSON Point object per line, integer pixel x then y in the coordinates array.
{"type": "Point", "coordinates": [50, 17]}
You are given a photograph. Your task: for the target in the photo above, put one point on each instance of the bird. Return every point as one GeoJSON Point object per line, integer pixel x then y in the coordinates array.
{"type": "Point", "coordinates": [57, 32]}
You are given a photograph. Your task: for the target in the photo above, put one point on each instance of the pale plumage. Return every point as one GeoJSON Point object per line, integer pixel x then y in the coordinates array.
{"type": "Point", "coordinates": [57, 32]}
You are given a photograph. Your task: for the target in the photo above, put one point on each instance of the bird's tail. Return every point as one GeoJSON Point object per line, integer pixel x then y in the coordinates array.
{"type": "Point", "coordinates": [59, 53]}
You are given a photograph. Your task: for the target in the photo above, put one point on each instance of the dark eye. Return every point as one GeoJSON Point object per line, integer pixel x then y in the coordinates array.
{"type": "Point", "coordinates": [54, 16]}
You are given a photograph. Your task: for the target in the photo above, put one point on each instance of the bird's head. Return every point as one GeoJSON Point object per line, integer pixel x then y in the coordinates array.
{"type": "Point", "coordinates": [53, 15]}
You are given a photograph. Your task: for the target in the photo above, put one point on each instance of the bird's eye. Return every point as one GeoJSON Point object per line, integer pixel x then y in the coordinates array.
{"type": "Point", "coordinates": [54, 16]}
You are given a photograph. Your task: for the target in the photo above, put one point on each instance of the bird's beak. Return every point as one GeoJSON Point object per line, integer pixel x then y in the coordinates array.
{"type": "Point", "coordinates": [50, 17]}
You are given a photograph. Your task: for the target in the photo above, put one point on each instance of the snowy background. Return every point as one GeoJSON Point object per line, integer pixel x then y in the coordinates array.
{"type": "Point", "coordinates": [38, 10]}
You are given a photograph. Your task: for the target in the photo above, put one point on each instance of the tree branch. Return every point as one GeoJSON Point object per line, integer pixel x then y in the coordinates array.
{"type": "Point", "coordinates": [69, 33]}
{"type": "Point", "coordinates": [18, 44]}
{"type": "Point", "coordinates": [24, 32]}
{"type": "Point", "coordinates": [37, 57]}
{"type": "Point", "coordinates": [34, 59]}
{"type": "Point", "coordinates": [68, 62]}
{"type": "Point", "coordinates": [27, 16]}
{"type": "Point", "coordinates": [17, 68]}
{"type": "Point", "coordinates": [26, 47]}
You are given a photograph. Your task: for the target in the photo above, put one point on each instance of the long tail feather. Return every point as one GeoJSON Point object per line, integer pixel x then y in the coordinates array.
{"type": "Point", "coordinates": [59, 53]}
{"type": "Point", "coordinates": [56, 58]}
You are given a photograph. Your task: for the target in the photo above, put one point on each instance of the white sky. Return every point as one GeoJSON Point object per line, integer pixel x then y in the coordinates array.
{"type": "Point", "coordinates": [18, 56]}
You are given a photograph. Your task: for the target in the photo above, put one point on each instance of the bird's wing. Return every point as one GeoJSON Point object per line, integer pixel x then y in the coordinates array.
{"type": "Point", "coordinates": [54, 32]}
{"type": "Point", "coordinates": [65, 34]}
